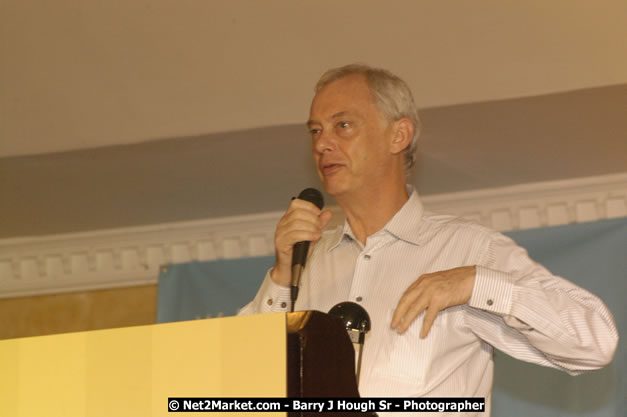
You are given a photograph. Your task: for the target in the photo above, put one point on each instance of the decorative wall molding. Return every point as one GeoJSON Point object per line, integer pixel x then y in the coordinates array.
{"type": "Point", "coordinates": [132, 256]}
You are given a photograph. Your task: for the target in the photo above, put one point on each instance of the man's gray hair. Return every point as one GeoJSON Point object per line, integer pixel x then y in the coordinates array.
{"type": "Point", "coordinates": [391, 95]}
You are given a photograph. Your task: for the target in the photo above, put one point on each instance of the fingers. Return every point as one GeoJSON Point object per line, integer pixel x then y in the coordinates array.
{"type": "Point", "coordinates": [298, 204]}
{"type": "Point", "coordinates": [427, 322]}
{"type": "Point", "coordinates": [408, 299]}
{"type": "Point", "coordinates": [430, 294]}
{"type": "Point", "coordinates": [302, 221]}
{"type": "Point", "coordinates": [325, 218]}
{"type": "Point", "coordinates": [408, 318]}
{"type": "Point", "coordinates": [412, 304]}
{"type": "Point", "coordinates": [297, 230]}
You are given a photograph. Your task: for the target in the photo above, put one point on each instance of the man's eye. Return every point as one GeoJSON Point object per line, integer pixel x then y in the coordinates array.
{"type": "Point", "coordinates": [343, 125]}
{"type": "Point", "coordinates": [314, 131]}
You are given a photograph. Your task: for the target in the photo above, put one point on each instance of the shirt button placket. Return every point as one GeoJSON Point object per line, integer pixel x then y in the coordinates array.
{"type": "Point", "coordinates": [360, 278]}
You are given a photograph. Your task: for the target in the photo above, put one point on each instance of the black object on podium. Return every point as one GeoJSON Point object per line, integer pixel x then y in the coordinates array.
{"type": "Point", "coordinates": [320, 359]}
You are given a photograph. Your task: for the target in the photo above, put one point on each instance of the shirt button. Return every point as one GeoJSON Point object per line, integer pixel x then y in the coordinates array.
{"type": "Point", "coordinates": [269, 301]}
{"type": "Point", "coordinates": [489, 302]}
{"type": "Point", "coordinates": [358, 299]}
{"type": "Point", "coordinates": [283, 304]}
{"type": "Point", "coordinates": [366, 257]}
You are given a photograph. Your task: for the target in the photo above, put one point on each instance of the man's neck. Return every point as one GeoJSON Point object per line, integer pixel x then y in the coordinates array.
{"type": "Point", "coordinates": [369, 210]}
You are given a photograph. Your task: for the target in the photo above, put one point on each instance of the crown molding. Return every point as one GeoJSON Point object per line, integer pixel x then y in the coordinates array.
{"type": "Point", "coordinates": [132, 256]}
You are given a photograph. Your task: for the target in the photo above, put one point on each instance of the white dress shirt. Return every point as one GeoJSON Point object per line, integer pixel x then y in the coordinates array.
{"type": "Point", "coordinates": [517, 306]}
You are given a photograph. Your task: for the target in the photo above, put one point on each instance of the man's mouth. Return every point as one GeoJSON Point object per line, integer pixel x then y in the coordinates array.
{"type": "Point", "coordinates": [330, 168]}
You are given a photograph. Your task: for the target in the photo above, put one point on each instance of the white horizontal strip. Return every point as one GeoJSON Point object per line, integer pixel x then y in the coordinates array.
{"type": "Point", "coordinates": [132, 256]}
{"type": "Point", "coordinates": [542, 204]}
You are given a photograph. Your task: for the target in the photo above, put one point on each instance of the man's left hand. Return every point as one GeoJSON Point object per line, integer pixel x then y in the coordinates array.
{"type": "Point", "coordinates": [432, 293]}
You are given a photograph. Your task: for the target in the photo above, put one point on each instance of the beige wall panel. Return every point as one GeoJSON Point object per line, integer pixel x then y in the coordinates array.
{"type": "Point", "coordinates": [79, 74]}
{"type": "Point", "coordinates": [62, 313]}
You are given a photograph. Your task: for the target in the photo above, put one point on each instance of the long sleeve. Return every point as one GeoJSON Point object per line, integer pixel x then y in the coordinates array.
{"type": "Point", "coordinates": [522, 309]}
{"type": "Point", "coordinates": [270, 298]}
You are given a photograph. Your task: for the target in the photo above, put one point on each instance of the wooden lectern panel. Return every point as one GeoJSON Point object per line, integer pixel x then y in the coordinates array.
{"type": "Point", "coordinates": [321, 358]}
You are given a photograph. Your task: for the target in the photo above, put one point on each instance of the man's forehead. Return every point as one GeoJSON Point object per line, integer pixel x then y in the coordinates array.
{"type": "Point", "coordinates": [341, 97]}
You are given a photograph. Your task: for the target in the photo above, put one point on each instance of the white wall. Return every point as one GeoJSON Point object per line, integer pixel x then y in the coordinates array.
{"type": "Point", "coordinates": [78, 74]}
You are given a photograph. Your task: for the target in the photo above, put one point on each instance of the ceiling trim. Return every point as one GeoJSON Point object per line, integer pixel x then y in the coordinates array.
{"type": "Point", "coordinates": [132, 256]}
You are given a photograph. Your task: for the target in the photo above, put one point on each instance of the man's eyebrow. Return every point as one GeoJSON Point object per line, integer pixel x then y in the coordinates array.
{"type": "Point", "coordinates": [311, 122]}
{"type": "Point", "coordinates": [340, 114]}
{"type": "Point", "coordinates": [335, 116]}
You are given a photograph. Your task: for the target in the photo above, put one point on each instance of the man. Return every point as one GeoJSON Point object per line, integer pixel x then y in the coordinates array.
{"type": "Point", "coordinates": [441, 292]}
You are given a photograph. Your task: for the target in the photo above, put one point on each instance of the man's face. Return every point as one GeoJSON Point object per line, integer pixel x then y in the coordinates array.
{"type": "Point", "coordinates": [349, 136]}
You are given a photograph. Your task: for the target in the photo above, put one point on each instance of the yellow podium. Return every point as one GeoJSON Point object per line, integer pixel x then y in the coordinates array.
{"type": "Point", "coordinates": [132, 371]}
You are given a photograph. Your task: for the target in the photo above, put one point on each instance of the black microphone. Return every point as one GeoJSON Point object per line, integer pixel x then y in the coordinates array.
{"type": "Point", "coordinates": [357, 323]}
{"type": "Point", "coordinates": [299, 253]}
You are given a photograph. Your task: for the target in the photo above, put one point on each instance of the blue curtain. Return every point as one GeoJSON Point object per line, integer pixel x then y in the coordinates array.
{"type": "Point", "coordinates": [592, 255]}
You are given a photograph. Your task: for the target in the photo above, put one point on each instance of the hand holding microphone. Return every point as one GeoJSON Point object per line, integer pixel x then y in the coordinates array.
{"type": "Point", "coordinates": [302, 223]}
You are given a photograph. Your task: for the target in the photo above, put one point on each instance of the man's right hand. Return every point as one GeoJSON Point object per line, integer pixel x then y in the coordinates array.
{"type": "Point", "coordinates": [302, 221]}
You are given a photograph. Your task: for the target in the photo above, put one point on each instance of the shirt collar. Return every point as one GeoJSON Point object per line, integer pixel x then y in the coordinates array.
{"type": "Point", "coordinates": [406, 222]}
{"type": "Point", "coordinates": [404, 225]}
{"type": "Point", "coordinates": [341, 234]}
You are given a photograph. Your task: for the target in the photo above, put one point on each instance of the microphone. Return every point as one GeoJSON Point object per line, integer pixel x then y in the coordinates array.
{"type": "Point", "coordinates": [357, 323]}
{"type": "Point", "coordinates": [299, 253]}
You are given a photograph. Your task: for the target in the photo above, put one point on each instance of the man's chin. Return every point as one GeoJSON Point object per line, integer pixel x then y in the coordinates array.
{"type": "Point", "coordinates": [334, 189]}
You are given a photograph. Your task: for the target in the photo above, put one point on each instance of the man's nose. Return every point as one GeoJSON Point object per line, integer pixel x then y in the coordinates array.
{"type": "Point", "coordinates": [324, 142]}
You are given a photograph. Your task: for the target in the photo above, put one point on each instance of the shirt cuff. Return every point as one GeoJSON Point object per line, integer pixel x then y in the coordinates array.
{"type": "Point", "coordinates": [273, 297]}
{"type": "Point", "coordinates": [492, 291]}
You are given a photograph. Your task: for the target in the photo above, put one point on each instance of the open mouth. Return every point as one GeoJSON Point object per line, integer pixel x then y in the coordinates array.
{"type": "Point", "coordinates": [330, 168]}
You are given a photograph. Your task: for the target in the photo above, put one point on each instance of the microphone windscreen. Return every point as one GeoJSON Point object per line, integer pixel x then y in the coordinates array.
{"type": "Point", "coordinates": [313, 196]}
{"type": "Point", "coordinates": [352, 315]}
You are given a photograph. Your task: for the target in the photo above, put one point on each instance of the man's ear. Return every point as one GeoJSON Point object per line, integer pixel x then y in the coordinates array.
{"type": "Point", "coordinates": [403, 132]}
